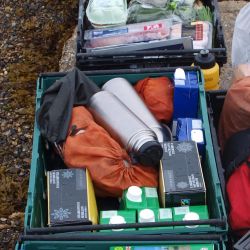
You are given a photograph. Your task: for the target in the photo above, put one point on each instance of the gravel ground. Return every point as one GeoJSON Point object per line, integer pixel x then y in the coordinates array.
{"type": "Point", "coordinates": [31, 41]}
{"type": "Point", "coordinates": [229, 10]}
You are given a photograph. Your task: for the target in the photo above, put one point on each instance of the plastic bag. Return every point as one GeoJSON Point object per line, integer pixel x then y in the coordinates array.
{"type": "Point", "coordinates": [186, 13]}
{"type": "Point", "coordinates": [156, 3]}
{"type": "Point", "coordinates": [157, 93]}
{"type": "Point", "coordinates": [138, 13]}
{"type": "Point", "coordinates": [241, 38]}
{"type": "Point", "coordinates": [107, 13]}
{"type": "Point", "coordinates": [89, 146]}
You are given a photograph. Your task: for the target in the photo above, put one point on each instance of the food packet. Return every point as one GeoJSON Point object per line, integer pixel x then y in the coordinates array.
{"type": "Point", "coordinates": [132, 33]}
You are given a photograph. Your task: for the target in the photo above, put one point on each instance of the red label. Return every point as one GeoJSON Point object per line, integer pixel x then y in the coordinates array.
{"type": "Point", "coordinates": [153, 27]}
{"type": "Point", "coordinates": [199, 32]}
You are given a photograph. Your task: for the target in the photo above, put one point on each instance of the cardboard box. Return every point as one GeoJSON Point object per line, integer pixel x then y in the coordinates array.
{"type": "Point", "coordinates": [162, 214]}
{"type": "Point", "coordinates": [167, 247]}
{"type": "Point", "coordinates": [151, 196]}
{"type": "Point", "coordinates": [127, 203]}
{"type": "Point", "coordinates": [180, 212]}
{"type": "Point", "coordinates": [189, 129]}
{"type": "Point", "coordinates": [186, 96]}
{"type": "Point", "coordinates": [128, 215]}
{"type": "Point", "coordinates": [71, 198]}
{"type": "Point", "coordinates": [181, 179]}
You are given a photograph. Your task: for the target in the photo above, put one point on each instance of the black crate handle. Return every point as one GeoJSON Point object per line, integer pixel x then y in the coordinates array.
{"type": "Point", "coordinates": [63, 229]}
{"type": "Point", "coordinates": [121, 237]}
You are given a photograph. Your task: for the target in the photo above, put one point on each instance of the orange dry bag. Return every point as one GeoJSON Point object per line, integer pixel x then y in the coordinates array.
{"type": "Point", "coordinates": [89, 146]}
{"type": "Point", "coordinates": [157, 93]}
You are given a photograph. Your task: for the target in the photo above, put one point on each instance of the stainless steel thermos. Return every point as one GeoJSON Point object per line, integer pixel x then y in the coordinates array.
{"type": "Point", "coordinates": [123, 90]}
{"type": "Point", "coordinates": [123, 125]}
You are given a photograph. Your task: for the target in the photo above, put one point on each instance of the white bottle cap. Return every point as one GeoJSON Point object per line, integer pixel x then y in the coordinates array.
{"type": "Point", "coordinates": [146, 215]}
{"type": "Point", "coordinates": [134, 194]}
{"type": "Point", "coordinates": [179, 76]}
{"type": "Point", "coordinates": [196, 124]}
{"type": "Point", "coordinates": [197, 135]}
{"type": "Point", "coordinates": [117, 219]}
{"type": "Point", "coordinates": [191, 216]}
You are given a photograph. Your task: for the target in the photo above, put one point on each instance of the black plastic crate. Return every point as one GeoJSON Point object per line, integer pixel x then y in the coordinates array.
{"type": "Point", "coordinates": [243, 243]}
{"type": "Point", "coordinates": [215, 101]}
{"type": "Point", "coordinates": [148, 58]}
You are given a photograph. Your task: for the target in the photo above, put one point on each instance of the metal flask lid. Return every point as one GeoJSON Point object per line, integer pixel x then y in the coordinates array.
{"type": "Point", "coordinates": [150, 153]}
{"type": "Point", "coordinates": [147, 150]}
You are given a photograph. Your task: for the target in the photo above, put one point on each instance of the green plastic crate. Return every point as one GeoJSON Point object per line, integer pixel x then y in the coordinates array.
{"type": "Point", "coordinates": [66, 245]}
{"type": "Point", "coordinates": [36, 208]}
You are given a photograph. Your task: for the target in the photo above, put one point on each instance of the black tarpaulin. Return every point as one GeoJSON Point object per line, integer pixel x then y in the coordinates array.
{"type": "Point", "coordinates": [54, 115]}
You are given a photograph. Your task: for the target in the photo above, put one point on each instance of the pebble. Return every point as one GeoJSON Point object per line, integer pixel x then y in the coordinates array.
{"type": "Point", "coordinates": [7, 133]}
{"type": "Point", "coordinates": [3, 219]}
{"type": "Point", "coordinates": [21, 111]}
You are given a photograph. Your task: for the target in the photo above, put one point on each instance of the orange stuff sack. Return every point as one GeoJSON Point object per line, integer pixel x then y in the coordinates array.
{"type": "Point", "coordinates": [89, 146]}
{"type": "Point", "coordinates": [235, 115]}
{"type": "Point", "coordinates": [157, 94]}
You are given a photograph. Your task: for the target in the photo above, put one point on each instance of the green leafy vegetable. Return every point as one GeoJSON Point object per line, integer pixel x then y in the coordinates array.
{"type": "Point", "coordinates": [204, 14]}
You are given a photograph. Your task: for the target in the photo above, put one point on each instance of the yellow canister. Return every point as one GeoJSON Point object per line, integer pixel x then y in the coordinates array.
{"type": "Point", "coordinates": [210, 69]}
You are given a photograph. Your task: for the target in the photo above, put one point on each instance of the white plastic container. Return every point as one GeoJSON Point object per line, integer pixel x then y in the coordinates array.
{"type": "Point", "coordinates": [109, 13]}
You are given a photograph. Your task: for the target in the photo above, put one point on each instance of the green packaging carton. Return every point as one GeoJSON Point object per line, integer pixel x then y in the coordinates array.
{"type": "Point", "coordinates": [133, 198]}
{"type": "Point", "coordinates": [166, 247]}
{"type": "Point", "coordinates": [190, 213]}
{"type": "Point", "coordinates": [155, 215]}
{"type": "Point", "coordinates": [118, 217]}
{"type": "Point", "coordinates": [165, 214]}
{"type": "Point", "coordinates": [151, 197]}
